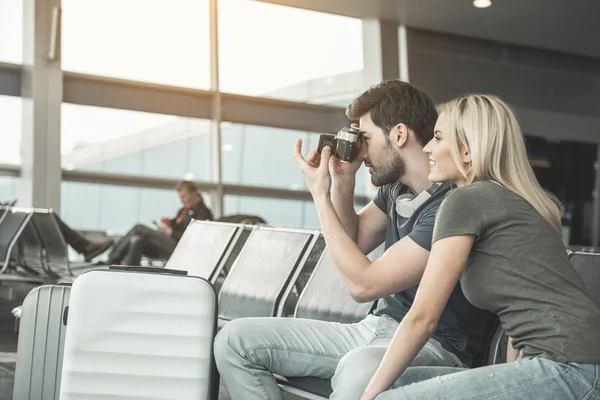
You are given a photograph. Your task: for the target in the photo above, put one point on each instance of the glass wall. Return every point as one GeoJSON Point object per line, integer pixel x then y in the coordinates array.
{"type": "Point", "coordinates": [115, 209]}
{"type": "Point", "coordinates": [134, 143]}
{"type": "Point", "coordinates": [10, 129]}
{"type": "Point", "coordinates": [9, 189]}
{"type": "Point", "coordinates": [11, 31]}
{"type": "Point", "coordinates": [288, 53]}
{"type": "Point", "coordinates": [263, 156]}
{"type": "Point", "coordinates": [276, 212]}
{"type": "Point", "coordinates": [265, 50]}
{"type": "Point", "coordinates": [158, 41]}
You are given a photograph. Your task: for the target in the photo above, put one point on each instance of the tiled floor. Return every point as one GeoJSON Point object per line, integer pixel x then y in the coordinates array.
{"type": "Point", "coordinates": [8, 349]}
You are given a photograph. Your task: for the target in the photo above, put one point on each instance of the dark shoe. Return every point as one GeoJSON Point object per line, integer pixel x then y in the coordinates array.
{"type": "Point", "coordinates": [93, 250]}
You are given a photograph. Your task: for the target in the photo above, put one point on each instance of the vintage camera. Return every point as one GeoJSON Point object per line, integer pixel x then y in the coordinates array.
{"type": "Point", "coordinates": [344, 144]}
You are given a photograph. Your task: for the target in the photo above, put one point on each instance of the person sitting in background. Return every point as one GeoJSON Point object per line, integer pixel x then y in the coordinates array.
{"type": "Point", "coordinates": [80, 244]}
{"type": "Point", "coordinates": [160, 243]}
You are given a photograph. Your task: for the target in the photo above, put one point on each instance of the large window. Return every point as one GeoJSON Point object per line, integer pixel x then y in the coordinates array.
{"type": "Point", "coordinates": [134, 143]}
{"type": "Point", "coordinates": [10, 128]}
{"type": "Point", "coordinates": [11, 31]}
{"type": "Point", "coordinates": [282, 52]}
{"type": "Point", "coordinates": [276, 212]}
{"type": "Point", "coordinates": [262, 156]}
{"type": "Point", "coordinates": [157, 41]}
{"type": "Point", "coordinates": [116, 209]}
{"type": "Point", "coordinates": [9, 189]}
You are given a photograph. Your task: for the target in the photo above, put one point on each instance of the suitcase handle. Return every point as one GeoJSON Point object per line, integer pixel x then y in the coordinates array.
{"type": "Point", "coordinates": [148, 269]}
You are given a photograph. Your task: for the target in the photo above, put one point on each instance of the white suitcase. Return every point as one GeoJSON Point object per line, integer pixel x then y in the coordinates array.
{"type": "Point", "coordinates": [140, 333]}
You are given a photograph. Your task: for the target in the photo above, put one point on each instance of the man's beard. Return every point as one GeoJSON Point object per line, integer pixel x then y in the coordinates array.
{"type": "Point", "coordinates": [389, 168]}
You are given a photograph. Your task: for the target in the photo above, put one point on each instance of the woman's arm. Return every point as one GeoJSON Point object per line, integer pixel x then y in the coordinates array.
{"type": "Point", "coordinates": [443, 270]}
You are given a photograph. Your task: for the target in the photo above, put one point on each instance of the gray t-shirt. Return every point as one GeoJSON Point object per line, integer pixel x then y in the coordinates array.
{"type": "Point", "coordinates": [518, 268]}
{"type": "Point", "coordinates": [462, 327]}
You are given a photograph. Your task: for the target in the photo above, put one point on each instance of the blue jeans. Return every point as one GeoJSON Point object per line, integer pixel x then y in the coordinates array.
{"type": "Point", "coordinates": [526, 379]}
{"type": "Point", "coordinates": [248, 351]}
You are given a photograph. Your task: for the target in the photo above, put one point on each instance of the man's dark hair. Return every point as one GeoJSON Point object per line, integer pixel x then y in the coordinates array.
{"type": "Point", "coordinates": [393, 102]}
{"type": "Point", "coordinates": [188, 186]}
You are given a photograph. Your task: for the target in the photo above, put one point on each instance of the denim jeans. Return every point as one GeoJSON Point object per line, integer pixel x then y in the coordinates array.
{"type": "Point", "coordinates": [248, 351]}
{"type": "Point", "coordinates": [526, 379]}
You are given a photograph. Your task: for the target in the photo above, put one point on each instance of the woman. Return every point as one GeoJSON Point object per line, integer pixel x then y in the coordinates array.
{"type": "Point", "coordinates": [499, 233]}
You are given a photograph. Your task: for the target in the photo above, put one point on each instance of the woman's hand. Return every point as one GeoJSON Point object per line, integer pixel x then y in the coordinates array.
{"type": "Point", "coordinates": [315, 169]}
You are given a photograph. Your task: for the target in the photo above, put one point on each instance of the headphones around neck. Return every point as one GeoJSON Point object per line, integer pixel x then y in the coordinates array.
{"type": "Point", "coordinates": [408, 203]}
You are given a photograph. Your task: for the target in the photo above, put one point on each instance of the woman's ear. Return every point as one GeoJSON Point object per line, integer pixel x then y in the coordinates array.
{"type": "Point", "coordinates": [465, 154]}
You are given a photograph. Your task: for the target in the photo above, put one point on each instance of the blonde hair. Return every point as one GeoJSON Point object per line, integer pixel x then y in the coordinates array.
{"type": "Point", "coordinates": [488, 128]}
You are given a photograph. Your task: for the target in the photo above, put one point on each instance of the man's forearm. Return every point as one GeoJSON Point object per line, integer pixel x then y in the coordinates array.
{"type": "Point", "coordinates": [342, 198]}
{"type": "Point", "coordinates": [346, 255]}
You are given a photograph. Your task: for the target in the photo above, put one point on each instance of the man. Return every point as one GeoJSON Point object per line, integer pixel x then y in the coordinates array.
{"type": "Point", "coordinates": [80, 244]}
{"type": "Point", "coordinates": [396, 121]}
{"type": "Point", "coordinates": [160, 243]}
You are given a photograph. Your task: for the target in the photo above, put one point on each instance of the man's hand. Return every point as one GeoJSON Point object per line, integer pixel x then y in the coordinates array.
{"type": "Point", "coordinates": [165, 221]}
{"type": "Point", "coordinates": [338, 168]}
{"type": "Point", "coordinates": [165, 229]}
{"type": "Point", "coordinates": [316, 174]}
{"type": "Point", "coordinates": [342, 170]}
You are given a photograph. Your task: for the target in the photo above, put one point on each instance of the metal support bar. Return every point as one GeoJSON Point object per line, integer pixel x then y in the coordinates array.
{"type": "Point", "coordinates": [41, 90]}
{"type": "Point", "coordinates": [381, 57]}
{"type": "Point", "coordinates": [217, 203]}
{"type": "Point", "coordinates": [102, 178]}
{"type": "Point", "coordinates": [122, 94]}
{"type": "Point", "coordinates": [403, 53]}
{"type": "Point", "coordinates": [282, 114]}
{"type": "Point", "coordinates": [13, 171]}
